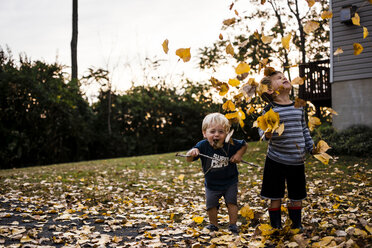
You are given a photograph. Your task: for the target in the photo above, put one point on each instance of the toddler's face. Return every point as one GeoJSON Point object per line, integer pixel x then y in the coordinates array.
{"type": "Point", "coordinates": [280, 82]}
{"type": "Point", "coordinates": [215, 134]}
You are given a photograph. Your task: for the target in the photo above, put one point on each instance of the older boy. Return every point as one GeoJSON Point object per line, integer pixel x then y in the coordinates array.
{"type": "Point", "coordinates": [286, 153]}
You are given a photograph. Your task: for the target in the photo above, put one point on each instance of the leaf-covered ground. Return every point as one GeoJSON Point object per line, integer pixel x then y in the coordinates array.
{"type": "Point", "coordinates": [152, 201]}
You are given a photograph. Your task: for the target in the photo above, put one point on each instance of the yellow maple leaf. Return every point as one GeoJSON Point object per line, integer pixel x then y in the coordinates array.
{"type": "Point", "coordinates": [198, 219]}
{"type": "Point", "coordinates": [266, 229]}
{"type": "Point", "coordinates": [313, 122]}
{"type": "Point", "coordinates": [365, 32]}
{"type": "Point", "coordinates": [184, 54]}
{"type": "Point", "coordinates": [322, 147]}
{"type": "Point", "coordinates": [323, 157]}
{"type": "Point", "coordinates": [297, 81]}
{"type": "Point", "coordinates": [310, 3]}
{"type": "Point", "coordinates": [242, 68]}
{"type": "Point", "coordinates": [165, 46]}
{"type": "Point", "coordinates": [230, 49]}
{"type": "Point", "coordinates": [234, 82]}
{"type": "Point", "coordinates": [238, 116]}
{"type": "Point", "coordinates": [229, 22]}
{"type": "Point", "coordinates": [338, 51]}
{"type": "Point", "coordinates": [356, 19]}
{"type": "Point", "coordinates": [224, 88]}
{"type": "Point", "coordinates": [327, 15]}
{"type": "Point", "coordinates": [311, 26]}
{"type": "Point", "coordinates": [229, 105]}
{"type": "Point", "coordinates": [286, 40]}
{"type": "Point", "coordinates": [358, 48]}
{"type": "Point", "coordinates": [266, 39]}
{"type": "Point", "coordinates": [247, 212]}
{"type": "Point", "coordinates": [269, 122]}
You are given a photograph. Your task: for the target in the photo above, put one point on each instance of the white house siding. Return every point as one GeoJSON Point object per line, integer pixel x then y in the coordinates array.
{"type": "Point", "coordinates": [351, 74]}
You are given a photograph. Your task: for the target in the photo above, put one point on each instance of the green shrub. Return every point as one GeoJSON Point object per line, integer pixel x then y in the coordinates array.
{"type": "Point", "coordinates": [355, 140]}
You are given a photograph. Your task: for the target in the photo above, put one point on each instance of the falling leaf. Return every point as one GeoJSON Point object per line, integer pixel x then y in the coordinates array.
{"type": "Point", "coordinates": [311, 26]}
{"type": "Point", "coordinates": [322, 147]}
{"type": "Point", "coordinates": [365, 32]}
{"type": "Point", "coordinates": [313, 122]}
{"type": "Point", "coordinates": [266, 39]}
{"type": "Point", "coordinates": [184, 54]}
{"type": "Point", "coordinates": [229, 105]}
{"type": "Point", "coordinates": [358, 48]}
{"type": "Point", "coordinates": [198, 219]}
{"type": "Point", "coordinates": [224, 88]}
{"type": "Point", "coordinates": [356, 19]}
{"type": "Point", "coordinates": [264, 1]}
{"type": "Point", "coordinates": [165, 46]}
{"type": "Point", "coordinates": [229, 22]}
{"type": "Point", "coordinates": [280, 129]}
{"type": "Point", "coordinates": [323, 157]}
{"type": "Point", "coordinates": [269, 122]}
{"type": "Point", "coordinates": [242, 68]}
{"type": "Point", "coordinates": [327, 15]}
{"type": "Point", "coordinates": [241, 77]}
{"type": "Point", "coordinates": [286, 40]}
{"type": "Point", "coordinates": [250, 110]}
{"type": "Point", "coordinates": [236, 12]}
{"type": "Point", "coordinates": [238, 116]}
{"type": "Point", "coordinates": [249, 88]}
{"type": "Point", "coordinates": [299, 103]}
{"type": "Point", "coordinates": [310, 3]}
{"type": "Point", "coordinates": [234, 82]}
{"type": "Point", "coordinates": [297, 81]}
{"type": "Point", "coordinates": [220, 37]}
{"type": "Point", "coordinates": [262, 64]}
{"type": "Point", "coordinates": [330, 110]}
{"type": "Point", "coordinates": [256, 34]}
{"type": "Point", "coordinates": [229, 135]}
{"type": "Point", "coordinates": [230, 49]}
{"type": "Point", "coordinates": [338, 51]}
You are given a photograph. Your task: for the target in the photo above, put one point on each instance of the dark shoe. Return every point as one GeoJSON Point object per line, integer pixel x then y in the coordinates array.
{"type": "Point", "coordinates": [233, 228]}
{"type": "Point", "coordinates": [212, 228]}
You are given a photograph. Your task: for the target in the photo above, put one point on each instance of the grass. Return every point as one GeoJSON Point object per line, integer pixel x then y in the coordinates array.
{"type": "Point", "coordinates": [150, 189]}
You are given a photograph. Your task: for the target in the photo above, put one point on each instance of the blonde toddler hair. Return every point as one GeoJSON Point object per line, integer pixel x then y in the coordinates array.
{"type": "Point", "coordinates": [215, 119]}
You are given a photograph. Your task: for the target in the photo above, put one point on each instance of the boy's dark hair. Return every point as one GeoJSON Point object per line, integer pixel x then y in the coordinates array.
{"type": "Point", "coordinates": [267, 81]}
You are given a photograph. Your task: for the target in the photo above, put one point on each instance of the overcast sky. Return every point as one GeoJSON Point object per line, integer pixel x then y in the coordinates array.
{"type": "Point", "coordinates": [114, 33]}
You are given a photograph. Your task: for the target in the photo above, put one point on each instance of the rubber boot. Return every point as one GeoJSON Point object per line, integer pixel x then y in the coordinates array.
{"type": "Point", "coordinates": [295, 216]}
{"type": "Point", "coordinates": [275, 218]}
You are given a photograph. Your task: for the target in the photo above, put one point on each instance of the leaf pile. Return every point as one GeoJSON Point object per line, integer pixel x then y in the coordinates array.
{"type": "Point", "coordinates": [158, 201]}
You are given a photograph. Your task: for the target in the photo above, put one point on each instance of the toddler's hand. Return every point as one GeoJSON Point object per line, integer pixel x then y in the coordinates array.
{"type": "Point", "coordinates": [236, 158]}
{"type": "Point", "coordinates": [193, 152]}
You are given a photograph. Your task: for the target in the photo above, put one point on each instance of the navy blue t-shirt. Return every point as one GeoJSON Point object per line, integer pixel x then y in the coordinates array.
{"type": "Point", "coordinates": [223, 173]}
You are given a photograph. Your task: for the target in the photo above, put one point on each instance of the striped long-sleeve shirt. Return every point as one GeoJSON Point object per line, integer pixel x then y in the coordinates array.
{"type": "Point", "coordinates": [289, 148]}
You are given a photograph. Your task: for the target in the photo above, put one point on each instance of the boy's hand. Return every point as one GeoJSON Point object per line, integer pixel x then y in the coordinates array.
{"type": "Point", "coordinates": [268, 136]}
{"type": "Point", "coordinates": [191, 154]}
{"type": "Point", "coordinates": [236, 158]}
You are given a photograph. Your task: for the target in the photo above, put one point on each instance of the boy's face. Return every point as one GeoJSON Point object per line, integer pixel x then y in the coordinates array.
{"type": "Point", "coordinates": [215, 134]}
{"type": "Point", "coordinates": [280, 83]}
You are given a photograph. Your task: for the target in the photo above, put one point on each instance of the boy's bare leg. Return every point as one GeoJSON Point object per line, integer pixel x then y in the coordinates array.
{"type": "Point", "coordinates": [212, 215]}
{"type": "Point", "coordinates": [295, 203]}
{"type": "Point", "coordinates": [233, 213]}
{"type": "Point", "coordinates": [275, 204]}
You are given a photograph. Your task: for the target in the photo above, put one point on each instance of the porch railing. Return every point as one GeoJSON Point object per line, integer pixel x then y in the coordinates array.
{"type": "Point", "coordinates": [317, 86]}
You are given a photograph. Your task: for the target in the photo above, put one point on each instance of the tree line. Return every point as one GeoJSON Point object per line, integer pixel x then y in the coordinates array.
{"type": "Point", "coordinates": [46, 119]}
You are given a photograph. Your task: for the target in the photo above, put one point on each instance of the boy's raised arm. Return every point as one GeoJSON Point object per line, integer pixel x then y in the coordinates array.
{"type": "Point", "coordinates": [191, 154]}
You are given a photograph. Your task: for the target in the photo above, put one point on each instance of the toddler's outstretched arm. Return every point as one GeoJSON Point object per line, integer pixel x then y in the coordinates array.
{"type": "Point", "coordinates": [191, 154]}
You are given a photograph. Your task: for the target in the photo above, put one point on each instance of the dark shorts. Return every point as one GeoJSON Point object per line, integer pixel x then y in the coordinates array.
{"type": "Point", "coordinates": [230, 195]}
{"type": "Point", "coordinates": [276, 175]}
